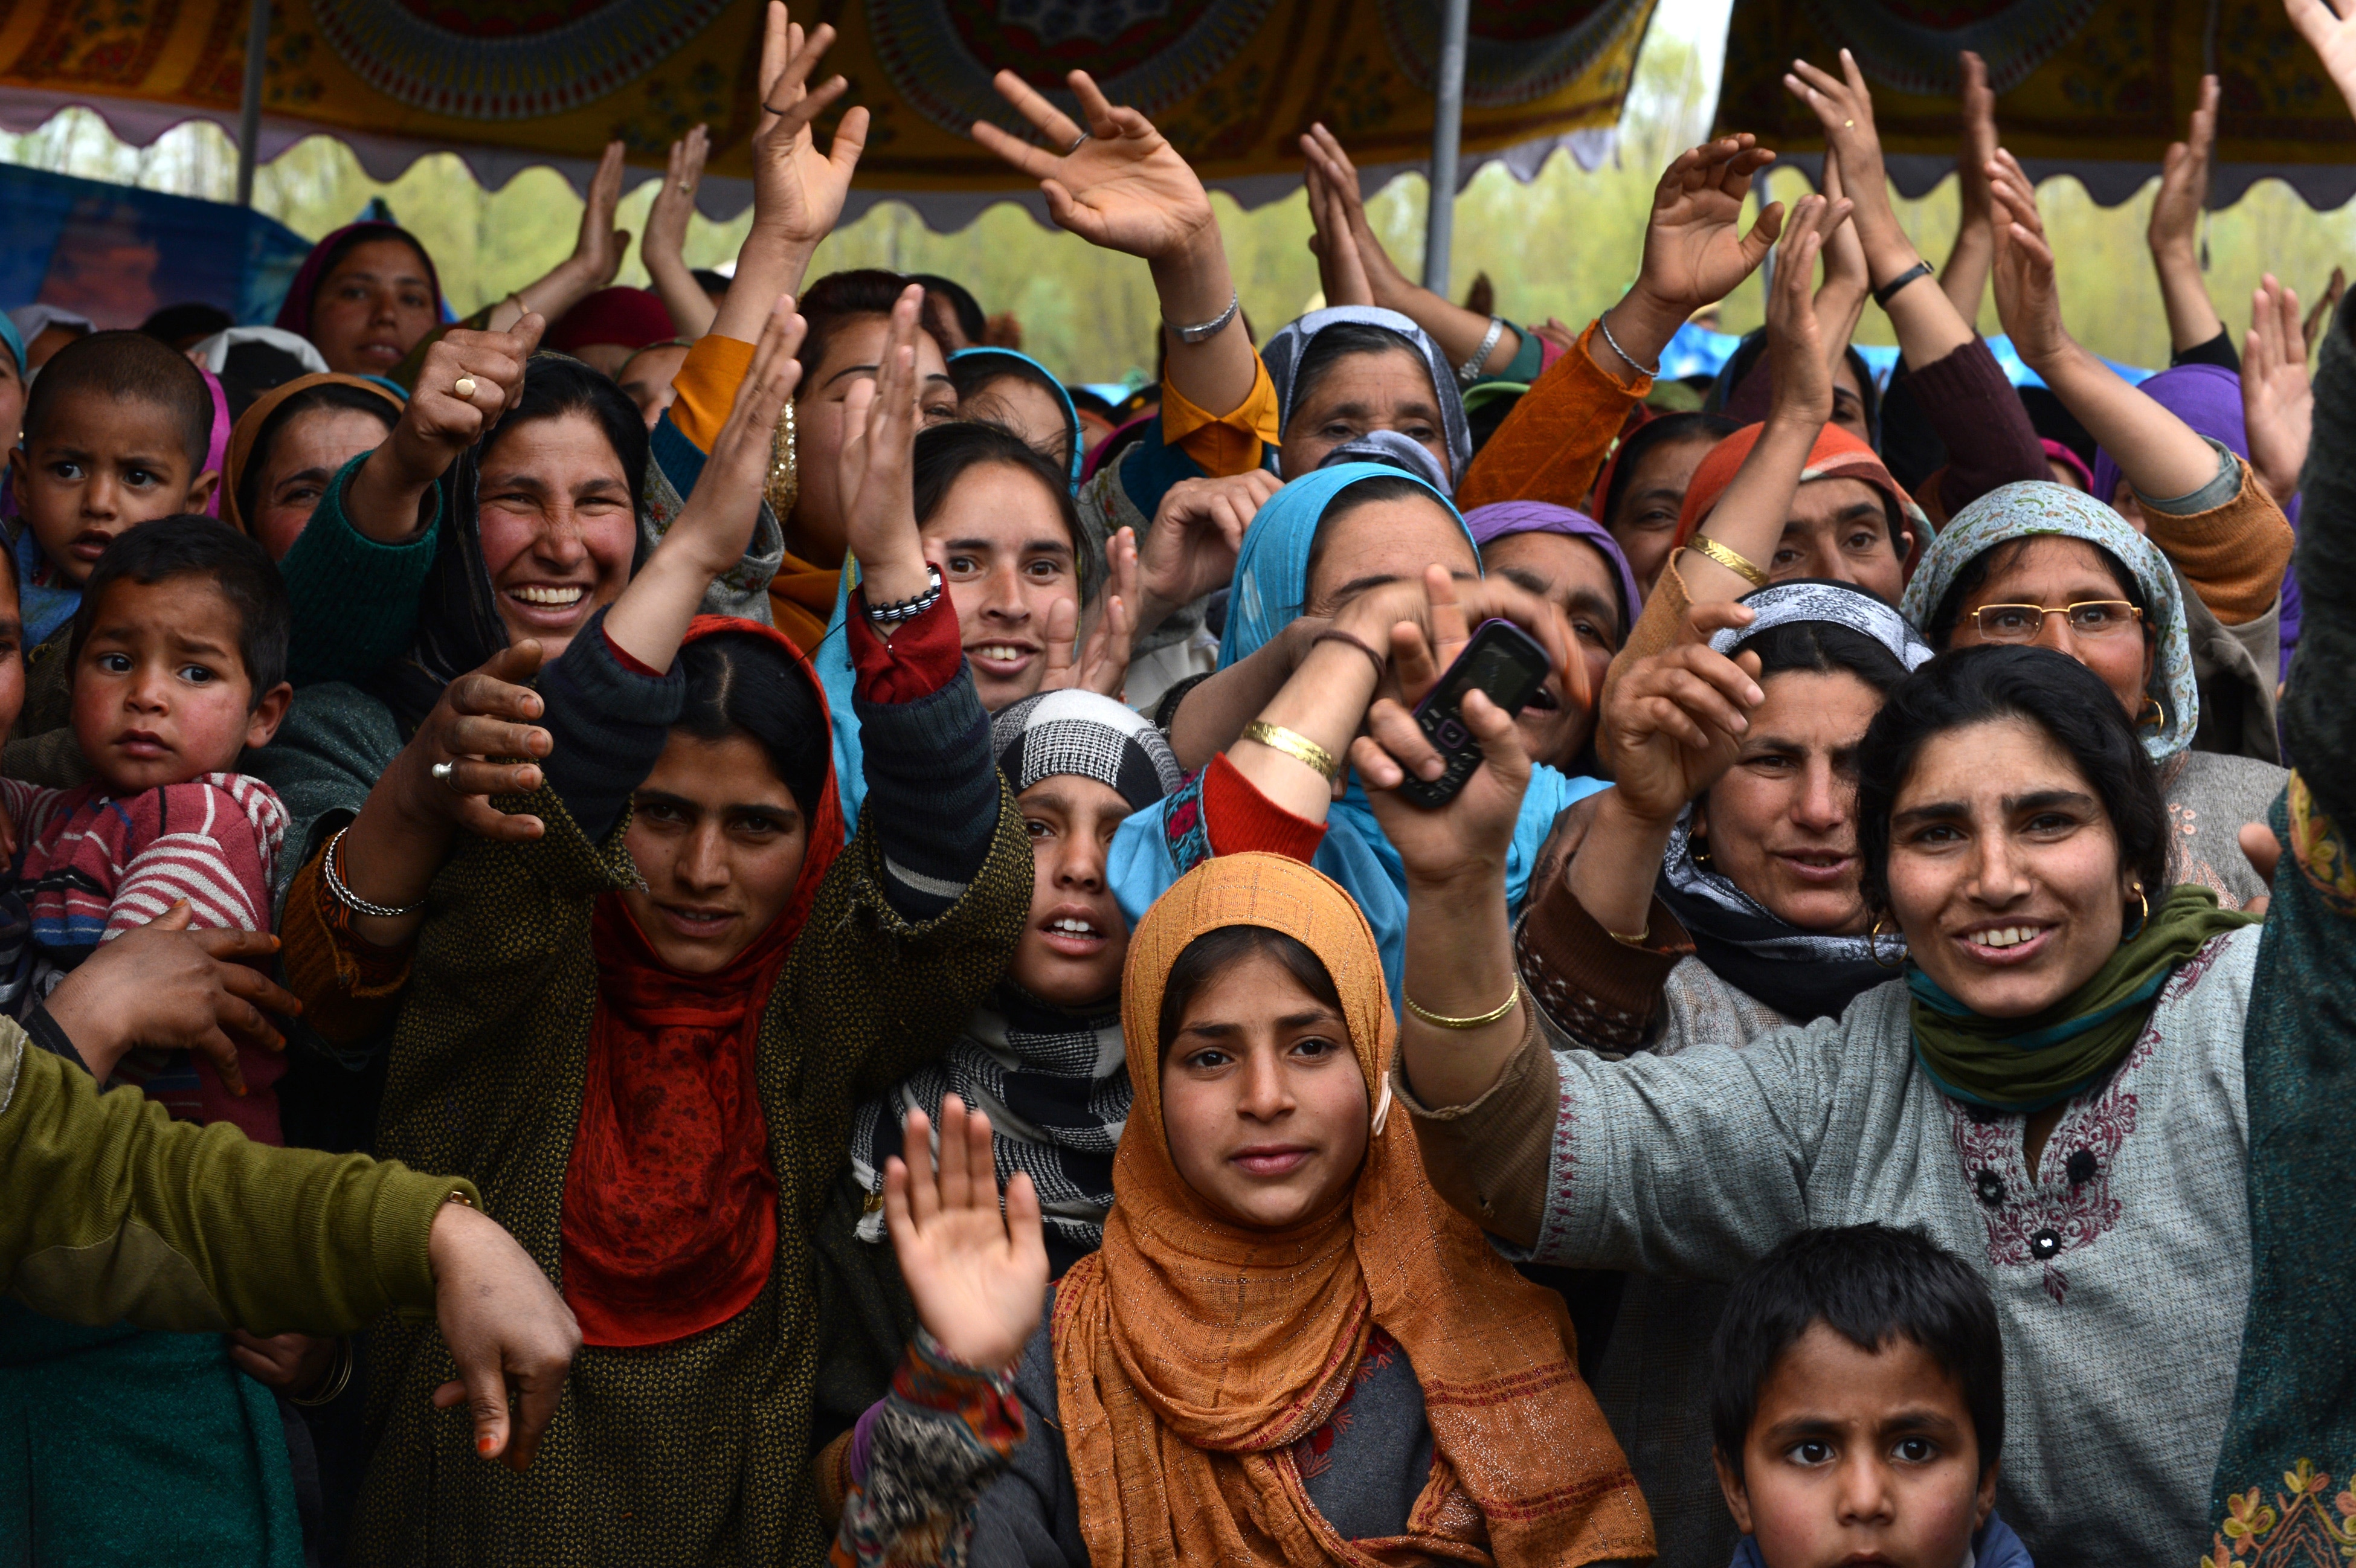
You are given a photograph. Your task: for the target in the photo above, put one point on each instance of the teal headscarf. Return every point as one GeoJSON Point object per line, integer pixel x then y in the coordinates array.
{"type": "Point", "coordinates": [1154, 848]}
{"type": "Point", "coordinates": [968, 368]}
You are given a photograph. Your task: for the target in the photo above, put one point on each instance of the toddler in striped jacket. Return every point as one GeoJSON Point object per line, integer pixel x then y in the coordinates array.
{"type": "Point", "coordinates": [180, 651]}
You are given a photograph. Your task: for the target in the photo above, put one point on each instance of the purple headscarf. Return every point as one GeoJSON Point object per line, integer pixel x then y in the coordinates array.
{"type": "Point", "coordinates": [216, 453]}
{"type": "Point", "coordinates": [1502, 519]}
{"type": "Point", "coordinates": [2206, 397]}
{"type": "Point", "coordinates": [303, 294]}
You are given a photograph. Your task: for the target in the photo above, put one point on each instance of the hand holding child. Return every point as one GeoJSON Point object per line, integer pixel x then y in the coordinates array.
{"type": "Point", "coordinates": [169, 987]}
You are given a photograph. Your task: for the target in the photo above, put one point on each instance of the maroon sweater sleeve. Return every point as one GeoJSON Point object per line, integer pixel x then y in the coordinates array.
{"type": "Point", "coordinates": [1980, 419]}
{"type": "Point", "coordinates": [922, 656]}
{"type": "Point", "coordinates": [1239, 818]}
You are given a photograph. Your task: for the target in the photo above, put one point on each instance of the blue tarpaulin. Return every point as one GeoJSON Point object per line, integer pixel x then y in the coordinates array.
{"type": "Point", "coordinates": [116, 253]}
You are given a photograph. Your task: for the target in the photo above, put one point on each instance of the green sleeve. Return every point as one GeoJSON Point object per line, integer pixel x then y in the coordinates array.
{"type": "Point", "coordinates": [354, 599]}
{"type": "Point", "coordinates": [110, 1210]}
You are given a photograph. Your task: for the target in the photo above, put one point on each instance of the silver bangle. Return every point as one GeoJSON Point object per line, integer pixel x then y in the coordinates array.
{"type": "Point", "coordinates": [1470, 371]}
{"type": "Point", "coordinates": [1604, 327]}
{"type": "Point", "coordinates": [901, 610]}
{"type": "Point", "coordinates": [343, 894]}
{"type": "Point", "coordinates": [1207, 330]}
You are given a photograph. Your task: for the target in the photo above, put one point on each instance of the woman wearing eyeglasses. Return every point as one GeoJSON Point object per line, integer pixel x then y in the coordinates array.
{"type": "Point", "coordinates": [2043, 564]}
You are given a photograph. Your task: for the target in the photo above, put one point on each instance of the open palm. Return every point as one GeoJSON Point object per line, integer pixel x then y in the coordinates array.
{"type": "Point", "coordinates": [977, 1280]}
{"type": "Point", "coordinates": [798, 189]}
{"type": "Point", "coordinates": [2330, 28]}
{"type": "Point", "coordinates": [1695, 250]}
{"type": "Point", "coordinates": [1117, 182]}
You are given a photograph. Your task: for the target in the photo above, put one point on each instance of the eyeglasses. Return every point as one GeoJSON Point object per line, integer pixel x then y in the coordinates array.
{"type": "Point", "coordinates": [2087, 618]}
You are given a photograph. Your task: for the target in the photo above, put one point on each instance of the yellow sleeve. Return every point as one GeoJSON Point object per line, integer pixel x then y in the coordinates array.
{"type": "Point", "coordinates": [1223, 444]}
{"type": "Point", "coordinates": [707, 384]}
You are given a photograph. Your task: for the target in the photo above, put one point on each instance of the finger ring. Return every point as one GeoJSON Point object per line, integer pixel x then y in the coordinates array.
{"type": "Point", "coordinates": [1076, 145]}
{"type": "Point", "coordinates": [464, 387]}
{"type": "Point", "coordinates": [444, 773]}
{"type": "Point", "coordinates": [685, 188]}
{"type": "Point", "coordinates": [1849, 125]}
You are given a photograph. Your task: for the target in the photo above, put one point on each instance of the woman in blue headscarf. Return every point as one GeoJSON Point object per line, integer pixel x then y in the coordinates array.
{"type": "Point", "coordinates": [1002, 386]}
{"type": "Point", "coordinates": [1331, 564]}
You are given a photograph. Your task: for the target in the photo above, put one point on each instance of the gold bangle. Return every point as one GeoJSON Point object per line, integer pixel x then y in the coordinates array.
{"type": "Point", "coordinates": [1625, 940]}
{"type": "Point", "coordinates": [1702, 544]}
{"type": "Point", "coordinates": [1439, 1021]}
{"type": "Point", "coordinates": [1298, 747]}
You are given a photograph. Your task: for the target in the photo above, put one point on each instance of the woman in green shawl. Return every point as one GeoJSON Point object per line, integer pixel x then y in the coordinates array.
{"type": "Point", "coordinates": [2050, 1084]}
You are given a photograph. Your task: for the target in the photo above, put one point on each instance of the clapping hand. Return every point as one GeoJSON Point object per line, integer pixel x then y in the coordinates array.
{"type": "Point", "coordinates": [1351, 254]}
{"type": "Point", "coordinates": [977, 1279]}
{"type": "Point", "coordinates": [2028, 299]}
{"type": "Point", "coordinates": [1798, 359]}
{"type": "Point", "coordinates": [1695, 250]}
{"type": "Point", "coordinates": [2277, 400]}
{"type": "Point", "coordinates": [877, 466]}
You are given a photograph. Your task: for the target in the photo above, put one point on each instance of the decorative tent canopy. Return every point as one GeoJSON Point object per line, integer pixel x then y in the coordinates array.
{"type": "Point", "coordinates": [511, 83]}
{"type": "Point", "coordinates": [2096, 88]}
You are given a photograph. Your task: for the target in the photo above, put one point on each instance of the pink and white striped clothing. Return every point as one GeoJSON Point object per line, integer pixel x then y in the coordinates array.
{"type": "Point", "coordinates": [92, 865]}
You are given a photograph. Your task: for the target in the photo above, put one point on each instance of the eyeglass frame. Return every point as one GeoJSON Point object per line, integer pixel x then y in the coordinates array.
{"type": "Point", "coordinates": [2135, 617]}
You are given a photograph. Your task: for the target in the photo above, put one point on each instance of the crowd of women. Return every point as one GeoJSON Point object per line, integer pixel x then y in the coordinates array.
{"type": "Point", "coordinates": [916, 898]}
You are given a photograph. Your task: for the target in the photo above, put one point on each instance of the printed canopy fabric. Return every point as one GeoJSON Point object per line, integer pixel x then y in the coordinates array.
{"type": "Point", "coordinates": [505, 82]}
{"type": "Point", "coordinates": [2097, 88]}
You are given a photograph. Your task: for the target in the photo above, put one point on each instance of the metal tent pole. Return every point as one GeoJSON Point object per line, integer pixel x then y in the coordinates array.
{"type": "Point", "coordinates": [1447, 131]}
{"type": "Point", "coordinates": [249, 112]}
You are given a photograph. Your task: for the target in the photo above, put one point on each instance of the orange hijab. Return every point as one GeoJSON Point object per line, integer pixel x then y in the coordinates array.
{"type": "Point", "coordinates": [248, 429]}
{"type": "Point", "coordinates": [1191, 1353]}
{"type": "Point", "coordinates": [1837, 454]}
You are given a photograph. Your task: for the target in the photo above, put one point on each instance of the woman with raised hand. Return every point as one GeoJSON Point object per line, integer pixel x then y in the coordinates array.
{"type": "Point", "coordinates": [639, 1005]}
{"type": "Point", "coordinates": [1255, 1367]}
{"type": "Point", "coordinates": [2175, 471]}
{"type": "Point", "coordinates": [2052, 1088]}
{"type": "Point", "coordinates": [369, 299]}
{"type": "Point", "coordinates": [1956, 382]}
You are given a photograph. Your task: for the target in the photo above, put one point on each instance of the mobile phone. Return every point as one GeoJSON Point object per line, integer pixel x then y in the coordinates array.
{"type": "Point", "coordinates": [1501, 661]}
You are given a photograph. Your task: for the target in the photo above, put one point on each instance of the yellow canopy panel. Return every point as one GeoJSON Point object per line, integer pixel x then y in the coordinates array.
{"type": "Point", "coordinates": [510, 83]}
{"type": "Point", "coordinates": [2096, 89]}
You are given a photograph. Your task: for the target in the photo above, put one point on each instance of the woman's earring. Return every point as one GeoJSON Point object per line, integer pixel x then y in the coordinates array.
{"type": "Point", "coordinates": [2145, 918]}
{"type": "Point", "coordinates": [1873, 945]}
{"type": "Point", "coordinates": [1698, 848]}
{"type": "Point", "coordinates": [2158, 717]}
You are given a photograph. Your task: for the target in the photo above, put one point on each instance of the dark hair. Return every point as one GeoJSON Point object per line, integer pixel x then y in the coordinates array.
{"type": "Point", "coordinates": [127, 367]}
{"type": "Point", "coordinates": [2000, 557]}
{"type": "Point", "coordinates": [2051, 690]}
{"type": "Point", "coordinates": [1365, 493]}
{"type": "Point", "coordinates": [1824, 648]}
{"type": "Point", "coordinates": [1087, 402]}
{"type": "Point", "coordinates": [945, 452]}
{"type": "Point", "coordinates": [326, 395]}
{"type": "Point", "coordinates": [840, 298]}
{"type": "Point", "coordinates": [1662, 431]}
{"type": "Point", "coordinates": [176, 323]}
{"type": "Point", "coordinates": [555, 385]}
{"type": "Point", "coordinates": [1213, 952]}
{"type": "Point", "coordinates": [710, 281]}
{"type": "Point", "coordinates": [960, 301]}
{"type": "Point", "coordinates": [974, 374]}
{"type": "Point", "coordinates": [188, 545]}
{"type": "Point", "coordinates": [1336, 342]}
{"type": "Point", "coordinates": [1870, 1284]}
{"type": "Point", "coordinates": [739, 683]}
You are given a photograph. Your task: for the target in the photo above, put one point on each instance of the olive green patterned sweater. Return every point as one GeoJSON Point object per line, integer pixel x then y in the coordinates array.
{"type": "Point", "coordinates": [696, 1451]}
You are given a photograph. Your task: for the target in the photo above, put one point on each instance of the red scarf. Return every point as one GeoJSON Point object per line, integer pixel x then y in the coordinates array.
{"type": "Point", "coordinates": [670, 1201]}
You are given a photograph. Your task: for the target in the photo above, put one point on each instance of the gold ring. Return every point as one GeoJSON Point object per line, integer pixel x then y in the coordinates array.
{"type": "Point", "coordinates": [464, 387]}
{"type": "Point", "coordinates": [685, 188]}
{"type": "Point", "coordinates": [1849, 125]}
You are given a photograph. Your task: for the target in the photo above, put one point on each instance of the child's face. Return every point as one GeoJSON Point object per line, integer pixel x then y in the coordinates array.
{"type": "Point", "coordinates": [99, 466]}
{"type": "Point", "coordinates": [160, 692]}
{"type": "Point", "coordinates": [12, 649]}
{"type": "Point", "coordinates": [1859, 1456]}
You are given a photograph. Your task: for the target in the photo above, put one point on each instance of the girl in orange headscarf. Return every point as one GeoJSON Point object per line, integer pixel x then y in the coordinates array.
{"type": "Point", "coordinates": [1289, 1350]}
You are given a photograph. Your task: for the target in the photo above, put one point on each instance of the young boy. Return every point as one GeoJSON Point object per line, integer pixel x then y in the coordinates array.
{"type": "Point", "coordinates": [179, 660]}
{"type": "Point", "coordinates": [1856, 1400]}
{"type": "Point", "coordinates": [117, 428]}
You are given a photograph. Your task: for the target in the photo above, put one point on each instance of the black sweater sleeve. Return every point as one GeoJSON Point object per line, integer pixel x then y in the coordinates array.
{"type": "Point", "coordinates": [608, 723]}
{"type": "Point", "coordinates": [932, 794]}
{"type": "Point", "coordinates": [2319, 721]}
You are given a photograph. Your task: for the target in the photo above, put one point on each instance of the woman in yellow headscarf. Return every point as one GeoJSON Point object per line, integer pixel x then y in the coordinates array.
{"type": "Point", "coordinates": [1288, 1351]}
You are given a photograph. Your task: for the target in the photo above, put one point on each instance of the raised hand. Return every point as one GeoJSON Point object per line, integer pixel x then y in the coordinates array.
{"type": "Point", "coordinates": [1329, 164]}
{"type": "Point", "coordinates": [877, 466]}
{"type": "Point", "coordinates": [488, 713]}
{"type": "Point", "coordinates": [597, 251]}
{"type": "Point", "coordinates": [2028, 299]}
{"type": "Point", "coordinates": [2174, 231]}
{"type": "Point", "coordinates": [977, 1280]}
{"type": "Point", "coordinates": [1681, 715]}
{"type": "Point", "coordinates": [1116, 182]}
{"type": "Point", "coordinates": [1341, 268]}
{"type": "Point", "coordinates": [1840, 299]}
{"type": "Point", "coordinates": [1964, 279]}
{"type": "Point", "coordinates": [466, 381]}
{"type": "Point", "coordinates": [1100, 664]}
{"type": "Point", "coordinates": [1695, 250]}
{"type": "Point", "coordinates": [168, 987]}
{"type": "Point", "coordinates": [509, 1331]}
{"type": "Point", "coordinates": [664, 249]}
{"type": "Point", "coordinates": [2277, 400]}
{"type": "Point", "coordinates": [1799, 357]}
{"type": "Point", "coordinates": [2330, 28]}
{"type": "Point", "coordinates": [1189, 550]}
{"type": "Point", "coordinates": [2321, 313]}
